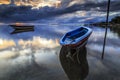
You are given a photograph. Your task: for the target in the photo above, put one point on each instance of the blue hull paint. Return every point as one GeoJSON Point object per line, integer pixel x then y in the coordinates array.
{"type": "Point", "coordinates": [76, 36]}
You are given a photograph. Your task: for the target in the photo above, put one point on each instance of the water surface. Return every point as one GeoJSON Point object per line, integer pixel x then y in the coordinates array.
{"type": "Point", "coordinates": [35, 55]}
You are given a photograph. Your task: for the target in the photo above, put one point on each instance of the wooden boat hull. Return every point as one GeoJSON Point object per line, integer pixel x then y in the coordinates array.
{"type": "Point", "coordinates": [22, 28]}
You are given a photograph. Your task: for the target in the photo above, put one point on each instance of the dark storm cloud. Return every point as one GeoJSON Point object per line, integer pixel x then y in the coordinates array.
{"type": "Point", "coordinates": [90, 6]}
{"type": "Point", "coordinates": [102, 6]}
{"type": "Point", "coordinates": [25, 13]}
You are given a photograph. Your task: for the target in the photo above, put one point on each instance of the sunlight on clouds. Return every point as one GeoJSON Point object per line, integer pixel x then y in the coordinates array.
{"type": "Point", "coordinates": [76, 2]}
{"type": "Point", "coordinates": [17, 57]}
{"type": "Point", "coordinates": [37, 3]}
{"type": "Point", "coordinates": [25, 47]}
{"type": "Point", "coordinates": [44, 4]}
{"type": "Point", "coordinates": [38, 42]}
{"type": "Point", "coordinates": [6, 43]}
{"type": "Point", "coordinates": [81, 13]}
{"type": "Point", "coordinates": [4, 2]}
{"type": "Point", "coordinates": [56, 3]}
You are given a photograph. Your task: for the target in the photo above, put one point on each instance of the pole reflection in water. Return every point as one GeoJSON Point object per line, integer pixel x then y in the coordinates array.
{"type": "Point", "coordinates": [75, 65]}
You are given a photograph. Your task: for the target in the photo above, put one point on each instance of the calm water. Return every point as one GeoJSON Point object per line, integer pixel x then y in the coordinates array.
{"type": "Point", "coordinates": [36, 55]}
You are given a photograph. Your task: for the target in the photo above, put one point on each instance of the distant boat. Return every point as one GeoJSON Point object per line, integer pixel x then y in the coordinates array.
{"type": "Point", "coordinates": [76, 37]}
{"type": "Point", "coordinates": [19, 28]}
{"type": "Point", "coordinates": [16, 26]}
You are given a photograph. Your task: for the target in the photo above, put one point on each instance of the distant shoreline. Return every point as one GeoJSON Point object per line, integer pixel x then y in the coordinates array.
{"type": "Point", "coordinates": [114, 22]}
{"type": "Point", "coordinates": [104, 24]}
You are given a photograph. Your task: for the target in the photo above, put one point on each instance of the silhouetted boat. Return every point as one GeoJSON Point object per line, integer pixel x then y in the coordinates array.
{"type": "Point", "coordinates": [76, 37]}
{"type": "Point", "coordinates": [19, 28]}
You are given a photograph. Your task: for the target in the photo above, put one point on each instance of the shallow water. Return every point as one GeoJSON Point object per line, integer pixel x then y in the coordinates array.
{"type": "Point", "coordinates": [35, 55]}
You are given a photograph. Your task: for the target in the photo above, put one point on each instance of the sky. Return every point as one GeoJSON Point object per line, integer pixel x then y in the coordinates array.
{"type": "Point", "coordinates": [39, 9]}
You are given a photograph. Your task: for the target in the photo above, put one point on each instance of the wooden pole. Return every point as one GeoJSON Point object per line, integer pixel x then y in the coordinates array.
{"type": "Point", "coordinates": [107, 24]}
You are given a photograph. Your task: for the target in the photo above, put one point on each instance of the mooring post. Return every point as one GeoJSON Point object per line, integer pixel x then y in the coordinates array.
{"type": "Point", "coordinates": [107, 24]}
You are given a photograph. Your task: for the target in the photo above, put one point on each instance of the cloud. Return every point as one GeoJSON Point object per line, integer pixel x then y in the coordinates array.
{"type": "Point", "coordinates": [20, 59]}
{"type": "Point", "coordinates": [38, 42]}
{"type": "Point", "coordinates": [20, 55]}
{"type": "Point", "coordinates": [8, 54]}
{"type": "Point", "coordinates": [6, 43]}
{"type": "Point", "coordinates": [92, 6]}
{"type": "Point", "coordinates": [26, 13]}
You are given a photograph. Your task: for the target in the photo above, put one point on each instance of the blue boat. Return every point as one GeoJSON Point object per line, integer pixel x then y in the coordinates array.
{"type": "Point", "coordinates": [76, 37]}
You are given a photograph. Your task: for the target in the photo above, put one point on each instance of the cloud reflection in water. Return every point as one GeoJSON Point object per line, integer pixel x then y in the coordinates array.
{"type": "Point", "coordinates": [27, 54]}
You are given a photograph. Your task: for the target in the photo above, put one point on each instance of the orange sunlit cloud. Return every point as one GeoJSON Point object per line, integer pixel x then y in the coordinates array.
{"type": "Point", "coordinates": [6, 43]}
{"type": "Point", "coordinates": [37, 4]}
{"type": "Point", "coordinates": [4, 1]}
{"type": "Point", "coordinates": [38, 42]}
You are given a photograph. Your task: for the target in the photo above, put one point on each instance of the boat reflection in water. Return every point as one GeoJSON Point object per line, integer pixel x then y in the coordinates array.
{"type": "Point", "coordinates": [75, 65]}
